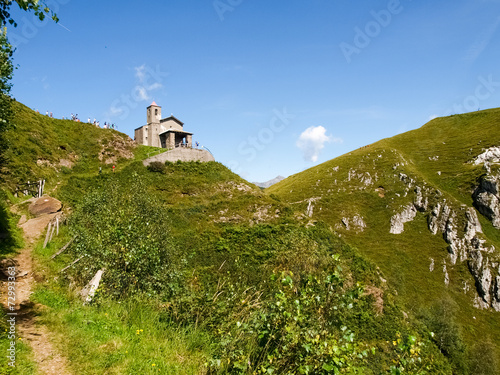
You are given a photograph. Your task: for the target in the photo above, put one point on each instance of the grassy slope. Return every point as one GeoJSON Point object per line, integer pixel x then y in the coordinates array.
{"type": "Point", "coordinates": [405, 258]}
{"type": "Point", "coordinates": [39, 148]}
{"type": "Point", "coordinates": [227, 231]}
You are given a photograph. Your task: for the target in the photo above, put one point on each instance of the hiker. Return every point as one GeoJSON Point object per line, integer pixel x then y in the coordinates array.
{"type": "Point", "coordinates": [100, 170]}
{"type": "Point", "coordinates": [113, 167]}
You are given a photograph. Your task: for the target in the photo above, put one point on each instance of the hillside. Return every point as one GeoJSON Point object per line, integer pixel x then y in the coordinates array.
{"type": "Point", "coordinates": [39, 147]}
{"type": "Point", "coordinates": [423, 206]}
{"type": "Point", "coordinates": [203, 272]}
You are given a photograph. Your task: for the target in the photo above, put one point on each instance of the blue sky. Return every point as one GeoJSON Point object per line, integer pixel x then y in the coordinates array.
{"type": "Point", "coordinates": [269, 87]}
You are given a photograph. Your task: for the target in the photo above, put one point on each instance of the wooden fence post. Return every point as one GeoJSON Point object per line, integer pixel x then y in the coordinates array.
{"type": "Point", "coordinates": [63, 248]}
{"type": "Point", "coordinates": [52, 232]}
{"type": "Point", "coordinates": [47, 235]}
{"type": "Point", "coordinates": [75, 261]}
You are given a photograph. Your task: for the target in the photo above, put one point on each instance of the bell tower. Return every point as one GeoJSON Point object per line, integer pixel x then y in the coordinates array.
{"type": "Point", "coordinates": [153, 114]}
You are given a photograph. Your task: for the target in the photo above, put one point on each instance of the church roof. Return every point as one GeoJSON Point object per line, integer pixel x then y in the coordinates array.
{"type": "Point", "coordinates": [172, 118]}
{"type": "Point", "coordinates": [153, 104]}
{"type": "Point", "coordinates": [175, 131]}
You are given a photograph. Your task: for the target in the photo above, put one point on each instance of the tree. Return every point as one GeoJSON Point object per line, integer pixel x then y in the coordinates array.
{"type": "Point", "coordinates": [40, 9]}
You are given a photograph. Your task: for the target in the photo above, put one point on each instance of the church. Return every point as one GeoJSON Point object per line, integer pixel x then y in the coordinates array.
{"type": "Point", "coordinates": [165, 133]}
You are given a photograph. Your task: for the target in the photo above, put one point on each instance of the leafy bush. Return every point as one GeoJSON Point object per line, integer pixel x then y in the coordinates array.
{"type": "Point", "coordinates": [441, 320]}
{"type": "Point", "coordinates": [157, 166]}
{"type": "Point", "coordinates": [121, 228]}
{"type": "Point", "coordinates": [293, 331]}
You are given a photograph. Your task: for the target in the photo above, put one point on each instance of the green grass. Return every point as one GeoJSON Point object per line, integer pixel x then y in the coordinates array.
{"type": "Point", "coordinates": [10, 234]}
{"type": "Point", "coordinates": [23, 364]}
{"type": "Point", "coordinates": [39, 147]}
{"type": "Point", "coordinates": [405, 258]}
{"type": "Point", "coordinates": [121, 337]}
{"type": "Point", "coordinates": [206, 272]}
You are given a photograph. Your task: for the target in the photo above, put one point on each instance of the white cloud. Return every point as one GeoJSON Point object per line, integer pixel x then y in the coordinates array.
{"type": "Point", "coordinates": [312, 141]}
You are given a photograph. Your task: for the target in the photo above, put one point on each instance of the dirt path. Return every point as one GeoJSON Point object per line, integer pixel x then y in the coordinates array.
{"type": "Point", "coordinates": [49, 361]}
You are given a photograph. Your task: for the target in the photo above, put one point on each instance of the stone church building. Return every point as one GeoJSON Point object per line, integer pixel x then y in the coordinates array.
{"type": "Point", "coordinates": [165, 133]}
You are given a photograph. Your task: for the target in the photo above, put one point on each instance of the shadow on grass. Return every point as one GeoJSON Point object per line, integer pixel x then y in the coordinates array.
{"type": "Point", "coordinates": [9, 239]}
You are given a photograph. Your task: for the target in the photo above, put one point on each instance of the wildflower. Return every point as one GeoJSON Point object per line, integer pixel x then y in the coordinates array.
{"type": "Point", "coordinates": [153, 365]}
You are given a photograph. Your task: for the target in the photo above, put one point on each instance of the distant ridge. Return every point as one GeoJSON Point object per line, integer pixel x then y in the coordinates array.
{"type": "Point", "coordinates": [270, 182]}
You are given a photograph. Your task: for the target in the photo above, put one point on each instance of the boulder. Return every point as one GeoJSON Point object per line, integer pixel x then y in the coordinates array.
{"type": "Point", "coordinates": [45, 205]}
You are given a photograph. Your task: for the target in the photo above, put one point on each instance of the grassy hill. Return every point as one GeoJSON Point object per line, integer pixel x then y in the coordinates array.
{"type": "Point", "coordinates": [39, 147]}
{"type": "Point", "coordinates": [358, 194]}
{"type": "Point", "coordinates": [206, 273]}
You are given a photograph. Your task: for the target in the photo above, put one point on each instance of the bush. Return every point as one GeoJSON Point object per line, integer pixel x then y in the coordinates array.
{"type": "Point", "coordinates": [121, 228]}
{"type": "Point", "coordinates": [157, 166]}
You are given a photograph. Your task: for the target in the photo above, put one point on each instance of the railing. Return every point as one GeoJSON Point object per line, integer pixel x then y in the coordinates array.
{"type": "Point", "coordinates": [30, 188]}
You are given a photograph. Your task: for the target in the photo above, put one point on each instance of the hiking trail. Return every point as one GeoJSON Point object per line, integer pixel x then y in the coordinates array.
{"type": "Point", "coordinates": [49, 361]}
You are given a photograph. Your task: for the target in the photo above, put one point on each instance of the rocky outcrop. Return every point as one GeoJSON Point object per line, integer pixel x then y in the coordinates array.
{"type": "Point", "coordinates": [398, 220]}
{"type": "Point", "coordinates": [356, 223]}
{"type": "Point", "coordinates": [462, 231]}
{"type": "Point", "coordinates": [487, 200]}
{"type": "Point", "coordinates": [491, 155]}
{"type": "Point", "coordinates": [421, 203]}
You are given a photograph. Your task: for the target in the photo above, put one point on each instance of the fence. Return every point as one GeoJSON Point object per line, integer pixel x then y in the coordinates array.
{"type": "Point", "coordinates": [30, 188]}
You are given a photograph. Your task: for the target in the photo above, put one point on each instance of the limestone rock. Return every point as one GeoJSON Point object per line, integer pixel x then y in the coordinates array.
{"type": "Point", "coordinates": [310, 209]}
{"type": "Point", "coordinates": [357, 223]}
{"type": "Point", "coordinates": [487, 200]}
{"type": "Point", "coordinates": [496, 295]}
{"type": "Point", "coordinates": [398, 220]}
{"type": "Point", "coordinates": [439, 217]}
{"type": "Point", "coordinates": [491, 155]}
{"type": "Point", "coordinates": [472, 225]}
{"type": "Point", "coordinates": [482, 274]}
{"type": "Point", "coordinates": [420, 202]}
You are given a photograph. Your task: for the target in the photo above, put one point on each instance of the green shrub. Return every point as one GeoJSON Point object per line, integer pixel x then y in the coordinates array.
{"type": "Point", "coordinates": [121, 228]}
{"type": "Point", "coordinates": [157, 166]}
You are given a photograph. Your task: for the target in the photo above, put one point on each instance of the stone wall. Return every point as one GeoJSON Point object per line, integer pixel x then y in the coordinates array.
{"type": "Point", "coordinates": [182, 154]}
